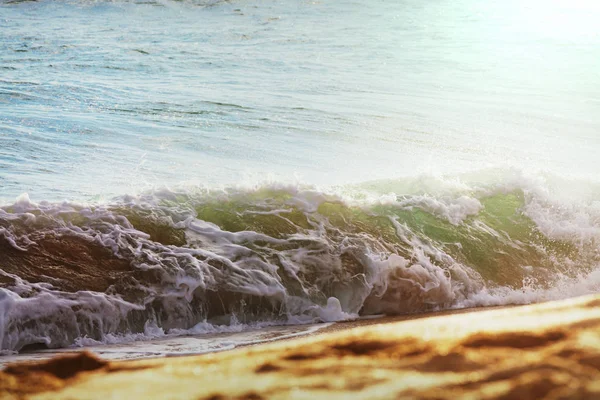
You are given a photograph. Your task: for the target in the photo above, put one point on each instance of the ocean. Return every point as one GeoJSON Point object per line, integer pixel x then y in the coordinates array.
{"type": "Point", "coordinates": [175, 168]}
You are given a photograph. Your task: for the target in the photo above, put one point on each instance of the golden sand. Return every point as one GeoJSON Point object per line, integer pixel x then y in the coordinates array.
{"type": "Point", "coordinates": [544, 351]}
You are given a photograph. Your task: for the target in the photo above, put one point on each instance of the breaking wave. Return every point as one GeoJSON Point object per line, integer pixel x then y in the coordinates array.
{"type": "Point", "coordinates": [193, 260]}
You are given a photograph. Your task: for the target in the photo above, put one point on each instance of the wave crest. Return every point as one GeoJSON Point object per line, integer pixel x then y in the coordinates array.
{"type": "Point", "coordinates": [282, 254]}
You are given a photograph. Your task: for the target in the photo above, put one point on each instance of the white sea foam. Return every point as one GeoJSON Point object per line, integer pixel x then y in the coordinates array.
{"type": "Point", "coordinates": [562, 287]}
{"type": "Point", "coordinates": [299, 276]}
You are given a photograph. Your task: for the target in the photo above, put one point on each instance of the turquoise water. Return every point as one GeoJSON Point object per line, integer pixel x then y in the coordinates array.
{"type": "Point", "coordinates": [108, 98]}
{"type": "Point", "coordinates": [184, 167]}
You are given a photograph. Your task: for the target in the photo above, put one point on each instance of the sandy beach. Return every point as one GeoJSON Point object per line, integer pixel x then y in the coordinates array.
{"type": "Point", "coordinates": [543, 351]}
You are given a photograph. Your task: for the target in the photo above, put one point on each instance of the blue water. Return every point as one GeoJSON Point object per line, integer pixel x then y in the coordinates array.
{"type": "Point", "coordinates": [99, 98]}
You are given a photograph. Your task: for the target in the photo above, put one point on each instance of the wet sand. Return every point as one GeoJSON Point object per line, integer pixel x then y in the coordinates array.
{"type": "Point", "coordinates": [340, 326]}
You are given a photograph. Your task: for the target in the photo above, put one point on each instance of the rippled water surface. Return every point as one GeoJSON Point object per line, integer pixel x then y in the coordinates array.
{"type": "Point", "coordinates": [106, 98]}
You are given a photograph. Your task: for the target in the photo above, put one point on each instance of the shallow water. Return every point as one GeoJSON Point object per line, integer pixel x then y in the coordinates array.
{"type": "Point", "coordinates": [174, 166]}
{"type": "Point", "coordinates": [174, 346]}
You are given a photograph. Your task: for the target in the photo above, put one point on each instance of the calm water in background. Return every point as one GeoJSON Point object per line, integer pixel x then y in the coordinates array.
{"type": "Point", "coordinates": [105, 98]}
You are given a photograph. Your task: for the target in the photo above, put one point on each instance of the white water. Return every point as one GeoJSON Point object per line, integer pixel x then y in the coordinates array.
{"type": "Point", "coordinates": [428, 277]}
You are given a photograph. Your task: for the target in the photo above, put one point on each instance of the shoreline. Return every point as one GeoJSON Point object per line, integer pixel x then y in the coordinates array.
{"type": "Point", "coordinates": [534, 351]}
{"type": "Point", "coordinates": [206, 343]}
{"type": "Point", "coordinates": [388, 319]}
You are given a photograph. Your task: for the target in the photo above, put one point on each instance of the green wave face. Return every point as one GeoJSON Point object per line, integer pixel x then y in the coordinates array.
{"type": "Point", "coordinates": [497, 242]}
